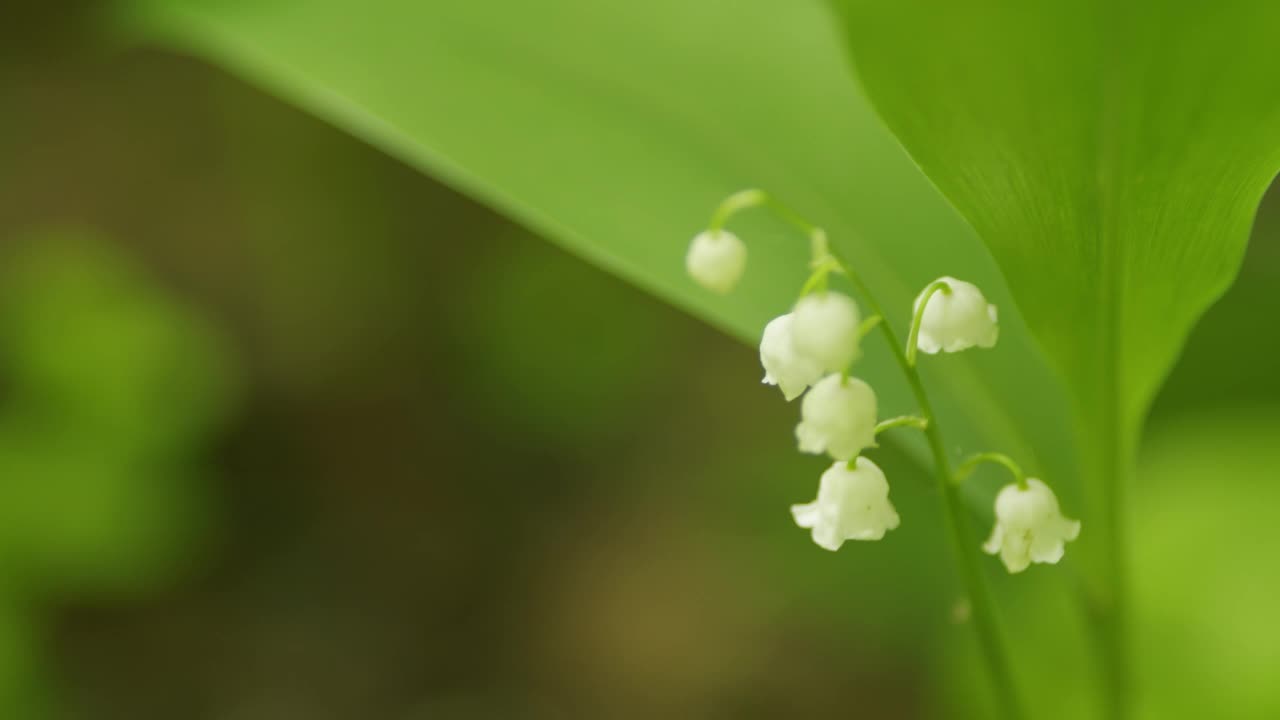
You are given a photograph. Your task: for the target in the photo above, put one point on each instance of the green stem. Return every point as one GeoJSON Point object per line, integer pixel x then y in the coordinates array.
{"type": "Point", "coordinates": [1115, 438]}
{"type": "Point", "coordinates": [817, 281]}
{"type": "Point", "coordinates": [969, 465]}
{"type": "Point", "coordinates": [966, 549]}
{"type": "Point", "coordinates": [913, 337]}
{"type": "Point", "coordinates": [823, 260]}
{"type": "Point", "coordinates": [1113, 616]}
{"type": "Point", "coordinates": [1108, 606]}
{"type": "Point", "coordinates": [734, 203]}
{"type": "Point", "coordinates": [914, 421]}
{"type": "Point", "coordinates": [1117, 624]}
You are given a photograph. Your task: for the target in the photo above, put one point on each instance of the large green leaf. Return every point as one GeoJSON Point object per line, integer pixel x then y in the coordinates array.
{"type": "Point", "coordinates": [613, 128]}
{"type": "Point", "coordinates": [1111, 155]}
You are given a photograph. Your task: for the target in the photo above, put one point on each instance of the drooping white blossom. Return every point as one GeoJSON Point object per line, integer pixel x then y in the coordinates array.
{"type": "Point", "coordinates": [791, 371]}
{"type": "Point", "coordinates": [956, 320]}
{"type": "Point", "coordinates": [1029, 527]}
{"type": "Point", "coordinates": [851, 505]}
{"type": "Point", "coordinates": [825, 328]}
{"type": "Point", "coordinates": [716, 260]}
{"type": "Point", "coordinates": [838, 417]}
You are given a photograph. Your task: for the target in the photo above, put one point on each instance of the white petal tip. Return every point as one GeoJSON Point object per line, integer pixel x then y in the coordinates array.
{"type": "Point", "coordinates": [806, 515]}
{"type": "Point", "coordinates": [829, 544]}
{"type": "Point", "coordinates": [1073, 530]}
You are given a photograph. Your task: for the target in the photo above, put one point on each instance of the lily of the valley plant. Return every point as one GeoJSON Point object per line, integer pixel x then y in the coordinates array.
{"type": "Point", "coordinates": [812, 351]}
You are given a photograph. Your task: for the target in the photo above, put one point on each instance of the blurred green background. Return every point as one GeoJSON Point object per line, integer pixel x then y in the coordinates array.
{"type": "Point", "coordinates": [289, 430]}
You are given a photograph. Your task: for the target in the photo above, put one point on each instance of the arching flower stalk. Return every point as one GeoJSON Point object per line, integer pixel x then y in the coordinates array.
{"type": "Point", "coordinates": [813, 348]}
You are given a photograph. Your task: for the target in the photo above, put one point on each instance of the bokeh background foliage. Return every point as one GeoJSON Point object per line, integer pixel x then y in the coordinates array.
{"type": "Point", "coordinates": [475, 478]}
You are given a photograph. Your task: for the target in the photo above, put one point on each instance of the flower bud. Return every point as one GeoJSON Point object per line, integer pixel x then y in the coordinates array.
{"type": "Point", "coordinates": [716, 260]}
{"type": "Point", "coordinates": [956, 320]}
{"type": "Point", "coordinates": [826, 329]}
{"type": "Point", "coordinates": [783, 366]}
{"type": "Point", "coordinates": [1029, 527]}
{"type": "Point", "coordinates": [838, 417]}
{"type": "Point", "coordinates": [851, 505]}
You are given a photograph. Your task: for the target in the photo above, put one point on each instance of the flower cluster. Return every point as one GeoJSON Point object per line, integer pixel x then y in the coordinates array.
{"type": "Point", "coordinates": [811, 351]}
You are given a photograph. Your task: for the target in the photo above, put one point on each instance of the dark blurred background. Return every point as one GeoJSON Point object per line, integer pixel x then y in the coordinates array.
{"type": "Point", "coordinates": [289, 430]}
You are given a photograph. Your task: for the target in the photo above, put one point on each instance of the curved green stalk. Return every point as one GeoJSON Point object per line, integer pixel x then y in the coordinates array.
{"type": "Point", "coordinates": [912, 421]}
{"type": "Point", "coordinates": [826, 261]}
{"type": "Point", "coordinates": [972, 462]}
{"type": "Point", "coordinates": [966, 550]}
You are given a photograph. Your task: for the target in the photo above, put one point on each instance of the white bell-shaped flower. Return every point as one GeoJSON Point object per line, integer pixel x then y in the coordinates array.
{"type": "Point", "coordinates": [716, 260]}
{"type": "Point", "coordinates": [826, 329]}
{"type": "Point", "coordinates": [838, 417]}
{"type": "Point", "coordinates": [791, 371]}
{"type": "Point", "coordinates": [1029, 527]}
{"type": "Point", "coordinates": [956, 320]}
{"type": "Point", "coordinates": [851, 505]}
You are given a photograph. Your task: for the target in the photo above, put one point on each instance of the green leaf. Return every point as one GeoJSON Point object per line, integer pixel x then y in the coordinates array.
{"type": "Point", "coordinates": [1111, 155]}
{"type": "Point", "coordinates": [614, 128]}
